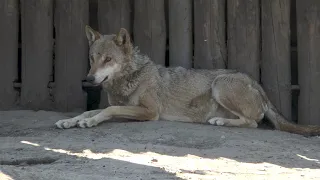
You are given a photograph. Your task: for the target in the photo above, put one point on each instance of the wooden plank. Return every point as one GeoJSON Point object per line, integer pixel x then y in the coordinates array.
{"type": "Point", "coordinates": [244, 36]}
{"type": "Point", "coordinates": [275, 55]}
{"type": "Point", "coordinates": [113, 15]}
{"type": "Point", "coordinates": [37, 41]}
{"type": "Point", "coordinates": [149, 29]}
{"type": "Point", "coordinates": [210, 51]}
{"type": "Point", "coordinates": [9, 18]}
{"type": "Point", "coordinates": [308, 39]}
{"type": "Point", "coordinates": [180, 33]}
{"type": "Point", "coordinates": [93, 14]}
{"type": "Point", "coordinates": [71, 63]}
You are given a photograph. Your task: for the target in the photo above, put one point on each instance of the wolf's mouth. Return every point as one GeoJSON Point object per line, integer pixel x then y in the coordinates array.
{"type": "Point", "coordinates": [106, 78]}
{"type": "Point", "coordinates": [98, 84]}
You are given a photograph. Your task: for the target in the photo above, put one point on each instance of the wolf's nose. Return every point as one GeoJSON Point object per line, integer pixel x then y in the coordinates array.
{"type": "Point", "coordinates": [90, 78]}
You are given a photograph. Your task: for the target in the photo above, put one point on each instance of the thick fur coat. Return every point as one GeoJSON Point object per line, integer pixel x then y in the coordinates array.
{"type": "Point", "coordinates": [141, 90]}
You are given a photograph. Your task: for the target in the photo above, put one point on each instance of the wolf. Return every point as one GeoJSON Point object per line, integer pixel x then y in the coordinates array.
{"type": "Point", "coordinates": [139, 89]}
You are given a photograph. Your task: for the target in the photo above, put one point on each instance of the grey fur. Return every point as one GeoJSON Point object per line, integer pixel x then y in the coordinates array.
{"type": "Point", "coordinates": [139, 89]}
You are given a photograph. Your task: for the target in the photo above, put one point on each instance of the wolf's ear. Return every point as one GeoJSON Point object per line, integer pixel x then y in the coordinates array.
{"type": "Point", "coordinates": [123, 39]}
{"type": "Point", "coordinates": [92, 35]}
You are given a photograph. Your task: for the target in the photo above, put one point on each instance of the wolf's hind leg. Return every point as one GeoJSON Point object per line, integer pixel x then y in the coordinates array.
{"type": "Point", "coordinates": [72, 122]}
{"type": "Point", "coordinates": [241, 96]}
{"type": "Point", "coordinates": [218, 121]}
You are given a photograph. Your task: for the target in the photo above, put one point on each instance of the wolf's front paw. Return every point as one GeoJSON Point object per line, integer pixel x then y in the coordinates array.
{"type": "Point", "coordinates": [66, 123]}
{"type": "Point", "coordinates": [86, 123]}
{"type": "Point", "coordinates": [217, 121]}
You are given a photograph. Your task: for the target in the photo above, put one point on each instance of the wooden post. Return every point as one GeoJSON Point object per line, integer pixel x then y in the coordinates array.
{"type": "Point", "coordinates": [244, 36]}
{"type": "Point", "coordinates": [93, 14]}
{"type": "Point", "coordinates": [276, 62]}
{"type": "Point", "coordinates": [150, 29]}
{"type": "Point", "coordinates": [71, 59]}
{"type": "Point", "coordinates": [308, 39]}
{"type": "Point", "coordinates": [37, 47]}
{"type": "Point", "coordinates": [180, 33]}
{"type": "Point", "coordinates": [210, 51]}
{"type": "Point", "coordinates": [9, 18]}
{"type": "Point", "coordinates": [113, 15]}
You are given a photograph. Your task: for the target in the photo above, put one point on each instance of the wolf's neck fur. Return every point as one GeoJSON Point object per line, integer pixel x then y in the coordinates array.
{"type": "Point", "coordinates": [135, 64]}
{"type": "Point", "coordinates": [139, 60]}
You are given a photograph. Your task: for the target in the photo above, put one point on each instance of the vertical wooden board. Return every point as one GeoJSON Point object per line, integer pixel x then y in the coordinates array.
{"type": "Point", "coordinates": [149, 29]}
{"type": "Point", "coordinates": [9, 19]}
{"type": "Point", "coordinates": [71, 58]}
{"type": "Point", "coordinates": [210, 51]}
{"type": "Point", "coordinates": [275, 55]}
{"type": "Point", "coordinates": [308, 39]}
{"type": "Point", "coordinates": [180, 33]}
{"type": "Point", "coordinates": [244, 36]}
{"type": "Point", "coordinates": [113, 15]}
{"type": "Point", "coordinates": [37, 39]}
{"type": "Point", "coordinates": [93, 14]}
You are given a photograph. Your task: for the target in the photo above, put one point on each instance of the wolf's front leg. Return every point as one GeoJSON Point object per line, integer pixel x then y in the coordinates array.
{"type": "Point", "coordinates": [130, 112]}
{"type": "Point", "coordinates": [72, 122]}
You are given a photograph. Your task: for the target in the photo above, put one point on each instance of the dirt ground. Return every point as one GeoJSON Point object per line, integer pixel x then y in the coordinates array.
{"type": "Point", "coordinates": [32, 148]}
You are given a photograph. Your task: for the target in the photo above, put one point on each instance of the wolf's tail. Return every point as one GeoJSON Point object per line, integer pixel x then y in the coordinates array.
{"type": "Point", "coordinates": [282, 124]}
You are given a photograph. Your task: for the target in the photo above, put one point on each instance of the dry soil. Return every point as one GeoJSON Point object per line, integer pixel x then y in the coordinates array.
{"type": "Point", "coordinates": [32, 148]}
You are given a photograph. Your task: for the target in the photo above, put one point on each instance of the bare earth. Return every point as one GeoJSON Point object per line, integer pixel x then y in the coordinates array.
{"type": "Point", "coordinates": [32, 148]}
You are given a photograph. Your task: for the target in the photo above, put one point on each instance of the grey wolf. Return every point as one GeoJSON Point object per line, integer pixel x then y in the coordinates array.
{"type": "Point", "coordinates": [141, 90]}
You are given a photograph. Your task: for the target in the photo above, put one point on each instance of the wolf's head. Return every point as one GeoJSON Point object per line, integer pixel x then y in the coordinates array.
{"type": "Point", "coordinates": [108, 54]}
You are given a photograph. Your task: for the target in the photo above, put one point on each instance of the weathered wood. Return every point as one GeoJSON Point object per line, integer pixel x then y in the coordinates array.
{"type": "Point", "coordinates": [37, 41]}
{"type": "Point", "coordinates": [150, 29]}
{"type": "Point", "coordinates": [93, 15]}
{"type": "Point", "coordinates": [113, 15]}
{"type": "Point", "coordinates": [9, 20]}
{"type": "Point", "coordinates": [210, 51]}
{"type": "Point", "coordinates": [244, 36]}
{"type": "Point", "coordinates": [180, 33]}
{"type": "Point", "coordinates": [71, 58]}
{"type": "Point", "coordinates": [294, 61]}
{"type": "Point", "coordinates": [308, 39]}
{"type": "Point", "coordinates": [275, 55]}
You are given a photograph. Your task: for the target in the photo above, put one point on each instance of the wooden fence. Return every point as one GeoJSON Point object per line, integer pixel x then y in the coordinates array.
{"type": "Point", "coordinates": [44, 51]}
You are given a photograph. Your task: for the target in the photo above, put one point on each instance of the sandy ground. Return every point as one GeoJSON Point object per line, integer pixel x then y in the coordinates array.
{"type": "Point", "coordinates": [32, 148]}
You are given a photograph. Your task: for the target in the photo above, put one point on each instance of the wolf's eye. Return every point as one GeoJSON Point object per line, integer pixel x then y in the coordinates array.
{"type": "Point", "coordinates": [107, 59]}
